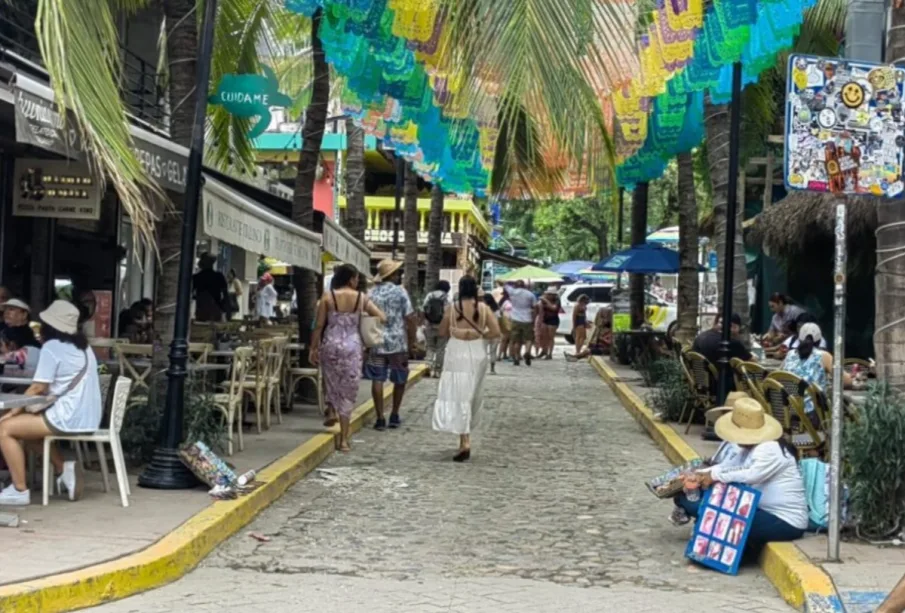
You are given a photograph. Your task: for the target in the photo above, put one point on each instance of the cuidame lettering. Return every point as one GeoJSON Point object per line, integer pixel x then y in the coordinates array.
{"type": "Point", "coordinates": [239, 227]}
{"type": "Point", "coordinates": [35, 111]}
{"type": "Point", "coordinates": [245, 98]}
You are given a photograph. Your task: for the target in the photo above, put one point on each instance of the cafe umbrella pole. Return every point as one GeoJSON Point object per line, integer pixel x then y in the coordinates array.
{"type": "Point", "coordinates": [735, 112]}
{"type": "Point", "coordinates": [166, 470]}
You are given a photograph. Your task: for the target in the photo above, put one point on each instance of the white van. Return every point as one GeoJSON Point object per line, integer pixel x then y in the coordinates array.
{"type": "Point", "coordinates": [660, 314]}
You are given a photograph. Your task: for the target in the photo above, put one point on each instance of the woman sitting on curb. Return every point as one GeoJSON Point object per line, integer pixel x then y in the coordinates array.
{"type": "Point", "coordinates": [761, 459]}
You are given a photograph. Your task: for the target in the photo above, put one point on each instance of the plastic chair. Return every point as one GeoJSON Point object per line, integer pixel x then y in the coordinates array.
{"type": "Point", "coordinates": [230, 402]}
{"type": "Point", "coordinates": [135, 363]}
{"type": "Point", "coordinates": [109, 436]}
{"type": "Point", "coordinates": [702, 377]}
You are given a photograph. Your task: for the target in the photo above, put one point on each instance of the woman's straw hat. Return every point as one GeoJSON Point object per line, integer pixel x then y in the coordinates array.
{"type": "Point", "coordinates": [748, 424]}
{"type": "Point", "coordinates": [714, 414]}
{"type": "Point", "coordinates": [386, 268]}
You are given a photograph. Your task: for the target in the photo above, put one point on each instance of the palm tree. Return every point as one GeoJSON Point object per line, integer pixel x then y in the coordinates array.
{"type": "Point", "coordinates": [434, 232]}
{"type": "Point", "coordinates": [355, 181]}
{"type": "Point", "coordinates": [410, 229]}
{"type": "Point", "coordinates": [638, 235]}
{"type": "Point", "coordinates": [688, 249]}
{"type": "Point", "coordinates": [889, 338]}
{"type": "Point", "coordinates": [305, 281]}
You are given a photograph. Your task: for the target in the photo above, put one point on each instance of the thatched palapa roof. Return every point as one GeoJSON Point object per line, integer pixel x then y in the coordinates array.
{"type": "Point", "coordinates": [788, 227]}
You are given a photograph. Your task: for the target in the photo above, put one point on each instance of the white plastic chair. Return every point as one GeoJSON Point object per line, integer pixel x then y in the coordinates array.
{"type": "Point", "coordinates": [109, 436]}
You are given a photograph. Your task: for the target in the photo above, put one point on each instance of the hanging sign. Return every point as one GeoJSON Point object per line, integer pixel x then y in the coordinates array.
{"type": "Point", "coordinates": [724, 522]}
{"type": "Point", "coordinates": [40, 123]}
{"type": "Point", "coordinates": [845, 127]}
{"type": "Point", "coordinates": [63, 189]}
{"type": "Point", "coordinates": [250, 95]}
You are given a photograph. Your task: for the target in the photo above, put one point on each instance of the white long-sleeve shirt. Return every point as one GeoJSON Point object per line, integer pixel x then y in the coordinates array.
{"type": "Point", "coordinates": [776, 476]}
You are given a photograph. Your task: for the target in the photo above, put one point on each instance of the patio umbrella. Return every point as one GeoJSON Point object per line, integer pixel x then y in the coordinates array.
{"type": "Point", "coordinates": [570, 269]}
{"type": "Point", "coordinates": [645, 259]}
{"type": "Point", "coordinates": [665, 235]}
{"type": "Point", "coordinates": [531, 273]}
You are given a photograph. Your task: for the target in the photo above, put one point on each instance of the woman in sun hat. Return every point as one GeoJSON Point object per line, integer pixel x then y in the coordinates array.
{"type": "Point", "coordinates": [765, 462]}
{"type": "Point", "coordinates": [67, 373]}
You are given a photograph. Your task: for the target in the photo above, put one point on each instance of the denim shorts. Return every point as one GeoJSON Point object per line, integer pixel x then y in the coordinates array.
{"type": "Point", "coordinates": [392, 366]}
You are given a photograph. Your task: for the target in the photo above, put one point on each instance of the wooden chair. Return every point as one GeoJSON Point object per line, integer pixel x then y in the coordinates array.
{"type": "Point", "coordinates": [230, 401]}
{"type": "Point", "coordinates": [297, 374]}
{"type": "Point", "coordinates": [788, 409]}
{"type": "Point", "coordinates": [257, 378]}
{"type": "Point", "coordinates": [110, 436]}
{"type": "Point", "coordinates": [135, 363]}
{"type": "Point", "coordinates": [702, 377]}
{"type": "Point", "coordinates": [199, 352]}
{"type": "Point", "coordinates": [276, 354]}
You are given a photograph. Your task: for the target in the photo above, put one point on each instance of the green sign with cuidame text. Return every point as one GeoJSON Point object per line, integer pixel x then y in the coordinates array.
{"type": "Point", "coordinates": [250, 95]}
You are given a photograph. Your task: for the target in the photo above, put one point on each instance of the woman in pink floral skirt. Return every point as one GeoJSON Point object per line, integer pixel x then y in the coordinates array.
{"type": "Point", "coordinates": [336, 345]}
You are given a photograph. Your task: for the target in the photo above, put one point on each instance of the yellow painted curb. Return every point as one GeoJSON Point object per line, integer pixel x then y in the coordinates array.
{"type": "Point", "coordinates": [798, 580]}
{"type": "Point", "coordinates": [180, 551]}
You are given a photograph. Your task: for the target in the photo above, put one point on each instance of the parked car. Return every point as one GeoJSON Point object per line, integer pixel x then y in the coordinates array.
{"type": "Point", "coordinates": [660, 314]}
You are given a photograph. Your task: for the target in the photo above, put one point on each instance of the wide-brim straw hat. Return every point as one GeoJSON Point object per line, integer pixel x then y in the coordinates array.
{"type": "Point", "coordinates": [386, 268]}
{"type": "Point", "coordinates": [714, 414]}
{"type": "Point", "coordinates": [748, 424]}
{"type": "Point", "coordinates": [62, 315]}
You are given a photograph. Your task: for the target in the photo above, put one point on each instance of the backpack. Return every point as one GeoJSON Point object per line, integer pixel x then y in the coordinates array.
{"type": "Point", "coordinates": [436, 306]}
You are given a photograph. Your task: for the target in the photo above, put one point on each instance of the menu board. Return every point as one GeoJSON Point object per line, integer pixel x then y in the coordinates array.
{"type": "Point", "coordinates": [724, 522]}
{"type": "Point", "coordinates": [845, 127]}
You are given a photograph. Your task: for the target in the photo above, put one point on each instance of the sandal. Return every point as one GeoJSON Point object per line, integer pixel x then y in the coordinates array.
{"type": "Point", "coordinates": [331, 419]}
{"type": "Point", "coordinates": [462, 456]}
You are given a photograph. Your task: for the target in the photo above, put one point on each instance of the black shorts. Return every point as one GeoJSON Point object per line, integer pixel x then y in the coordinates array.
{"type": "Point", "coordinates": [551, 321]}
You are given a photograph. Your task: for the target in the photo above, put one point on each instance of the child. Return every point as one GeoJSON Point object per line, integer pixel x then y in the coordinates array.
{"type": "Point", "coordinates": [18, 347]}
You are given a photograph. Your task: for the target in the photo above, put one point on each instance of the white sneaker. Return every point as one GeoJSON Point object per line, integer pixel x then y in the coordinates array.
{"type": "Point", "coordinates": [72, 480]}
{"type": "Point", "coordinates": [10, 496]}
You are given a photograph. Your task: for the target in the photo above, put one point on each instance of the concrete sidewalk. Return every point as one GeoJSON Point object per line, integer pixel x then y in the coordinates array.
{"type": "Point", "coordinates": [866, 572]}
{"type": "Point", "coordinates": [70, 555]}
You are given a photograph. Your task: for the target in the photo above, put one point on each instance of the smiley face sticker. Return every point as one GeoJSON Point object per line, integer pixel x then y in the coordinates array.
{"type": "Point", "coordinates": [852, 94]}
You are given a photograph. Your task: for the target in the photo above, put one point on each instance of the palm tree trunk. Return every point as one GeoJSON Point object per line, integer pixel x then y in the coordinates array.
{"type": "Point", "coordinates": [355, 181]}
{"type": "Point", "coordinates": [889, 337]}
{"type": "Point", "coordinates": [639, 235]}
{"type": "Point", "coordinates": [410, 228]}
{"type": "Point", "coordinates": [305, 281]}
{"type": "Point", "coordinates": [716, 122]}
{"type": "Point", "coordinates": [434, 230]}
{"type": "Point", "coordinates": [688, 250]}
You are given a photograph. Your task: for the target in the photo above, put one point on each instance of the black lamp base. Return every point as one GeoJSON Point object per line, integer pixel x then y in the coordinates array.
{"type": "Point", "coordinates": [167, 472]}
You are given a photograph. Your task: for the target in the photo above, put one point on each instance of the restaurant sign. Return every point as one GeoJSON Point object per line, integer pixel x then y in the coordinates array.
{"type": "Point", "coordinates": [240, 226]}
{"type": "Point", "coordinates": [62, 189]}
{"type": "Point", "coordinates": [386, 236]}
{"type": "Point", "coordinates": [344, 249]}
{"type": "Point", "coordinates": [39, 123]}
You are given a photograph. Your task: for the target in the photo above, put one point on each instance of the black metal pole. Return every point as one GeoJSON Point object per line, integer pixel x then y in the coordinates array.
{"type": "Point", "coordinates": [619, 234]}
{"type": "Point", "coordinates": [166, 471]}
{"type": "Point", "coordinates": [735, 115]}
{"type": "Point", "coordinates": [397, 214]}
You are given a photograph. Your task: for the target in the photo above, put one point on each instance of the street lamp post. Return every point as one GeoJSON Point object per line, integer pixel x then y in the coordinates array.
{"type": "Point", "coordinates": [166, 470]}
{"type": "Point", "coordinates": [735, 114]}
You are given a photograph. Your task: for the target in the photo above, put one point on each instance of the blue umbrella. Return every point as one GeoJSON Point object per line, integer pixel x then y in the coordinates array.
{"type": "Point", "coordinates": [570, 269]}
{"type": "Point", "coordinates": [644, 259]}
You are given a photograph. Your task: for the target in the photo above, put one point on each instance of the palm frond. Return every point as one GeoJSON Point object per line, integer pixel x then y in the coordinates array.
{"type": "Point", "coordinates": [80, 47]}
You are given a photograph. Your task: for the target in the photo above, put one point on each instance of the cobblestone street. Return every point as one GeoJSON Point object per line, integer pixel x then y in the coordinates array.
{"type": "Point", "coordinates": [551, 515]}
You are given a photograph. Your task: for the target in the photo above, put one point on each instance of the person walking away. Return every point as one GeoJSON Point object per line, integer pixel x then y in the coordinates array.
{"type": "Point", "coordinates": [468, 324]}
{"type": "Point", "coordinates": [267, 298]}
{"type": "Point", "coordinates": [550, 308]}
{"type": "Point", "coordinates": [434, 307]}
{"type": "Point", "coordinates": [209, 287]}
{"type": "Point", "coordinates": [234, 294]}
{"type": "Point", "coordinates": [336, 346]}
{"type": "Point", "coordinates": [390, 360]}
{"type": "Point", "coordinates": [767, 463]}
{"type": "Point", "coordinates": [67, 370]}
{"type": "Point", "coordinates": [493, 344]}
{"type": "Point", "coordinates": [580, 322]}
{"type": "Point", "coordinates": [524, 309]}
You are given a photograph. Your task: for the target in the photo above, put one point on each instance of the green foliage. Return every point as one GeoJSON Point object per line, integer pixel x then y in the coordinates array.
{"type": "Point", "coordinates": [560, 230]}
{"type": "Point", "coordinates": [670, 394]}
{"type": "Point", "coordinates": [876, 466]}
{"type": "Point", "coordinates": [203, 421]}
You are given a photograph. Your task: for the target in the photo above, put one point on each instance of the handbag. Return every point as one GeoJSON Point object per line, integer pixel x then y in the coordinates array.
{"type": "Point", "coordinates": [39, 408]}
{"type": "Point", "coordinates": [370, 329]}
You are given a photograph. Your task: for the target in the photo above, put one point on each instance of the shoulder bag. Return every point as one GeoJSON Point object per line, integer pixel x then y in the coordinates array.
{"type": "Point", "coordinates": [370, 328]}
{"type": "Point", "coordinates": [50, 400]}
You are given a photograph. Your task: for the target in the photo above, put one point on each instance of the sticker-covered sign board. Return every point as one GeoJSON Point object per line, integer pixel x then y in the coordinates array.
{"type": "Point", "coordinates": [845, 127]}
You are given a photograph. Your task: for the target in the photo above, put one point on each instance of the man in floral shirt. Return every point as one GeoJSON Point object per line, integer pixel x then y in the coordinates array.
{"type": "Point", "coordinates": [390, 361]}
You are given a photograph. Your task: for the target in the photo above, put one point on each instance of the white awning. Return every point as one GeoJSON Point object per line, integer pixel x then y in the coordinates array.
{"type": "Point", "coordinates": [339, 244]}
{"type": "Point", "coordinates": [231, 217]}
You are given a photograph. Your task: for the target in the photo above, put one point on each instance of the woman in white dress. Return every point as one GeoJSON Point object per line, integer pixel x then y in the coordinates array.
{"type": "Point", "coordinates": [469, 324]}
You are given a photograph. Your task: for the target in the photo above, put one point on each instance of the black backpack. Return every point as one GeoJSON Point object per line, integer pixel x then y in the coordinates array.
{"type": "Point", "coordinates": [434, 309]}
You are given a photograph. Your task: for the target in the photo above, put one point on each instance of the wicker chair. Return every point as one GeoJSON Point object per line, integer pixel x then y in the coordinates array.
{"type": "Point", "coordinates": [754, 378]}
{"type": "Point", "coordinates": [785, 394]}
{"type": "Point", "coordinates": [702, 376]}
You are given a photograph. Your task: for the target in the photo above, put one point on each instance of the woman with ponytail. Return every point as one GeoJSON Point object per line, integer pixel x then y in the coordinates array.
{"type": "Point", "coordinates": [812, 364]}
